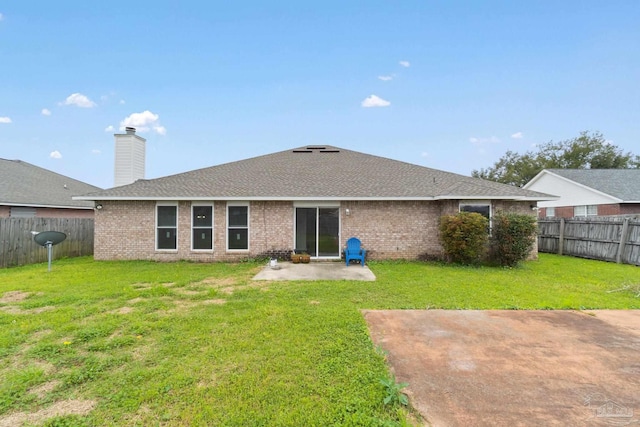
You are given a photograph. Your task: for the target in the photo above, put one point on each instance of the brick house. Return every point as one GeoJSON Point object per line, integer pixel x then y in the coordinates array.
{"type": "Point", "coordinates": [312, 198]}
{"type": "Point", "coordinates": [588, 192]}
{"type": "Point", "coordinates": [28, 191]}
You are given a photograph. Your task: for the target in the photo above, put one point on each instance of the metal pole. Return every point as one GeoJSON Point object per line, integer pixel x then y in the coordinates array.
{"type": "Point", "coordinates": [49, 246]}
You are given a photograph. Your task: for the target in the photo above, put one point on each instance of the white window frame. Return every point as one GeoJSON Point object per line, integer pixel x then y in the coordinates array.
{"type": "Point", "coordinates": [585, 210]}
{"type": "Point", "coordinates": [476, 203]}
{"type": "Point", "coordinates": [174, 204]}
{"type": "Point", "coordinates": [194, 228]}
{"type": "Point", "coordinates": [248, 227]}
{"type": "Point", "coordinates": [550, 212]}
{"type": "Point", "coordinates": [479, 203]}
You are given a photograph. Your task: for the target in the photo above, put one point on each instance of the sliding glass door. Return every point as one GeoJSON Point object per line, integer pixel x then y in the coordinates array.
{"type": "Point", "coordinates": [317, 231]}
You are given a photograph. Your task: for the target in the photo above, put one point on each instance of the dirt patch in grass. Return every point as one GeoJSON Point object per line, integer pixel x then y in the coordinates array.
{"type": "Point", "coordinates": [188, 292]}
{"type": "Point", "coordinates": [14, 309]}
{"type": "Point", "coordinates": [218, 282]}
{"type": "Point", "coordinates": [42, 389]}
{"type": "Point", "coordinates": [124, 310]}
{"type": "Point", "coordinates": [181, 306]}
{"type": "Point", "coordinates": [142, 286]}
{"type": "Point", "coordinates": [58, 409]}
{"type": "Point", "coordinates": [47, 367]}
{"type": "Point", "coordinates": [37, 336]}
{"type": "Point", "coordinates": [256, 285]}
{"type": "Point", "coordinates": [13, 296]}
{"type": "Point", "coordinates": [135, 300]}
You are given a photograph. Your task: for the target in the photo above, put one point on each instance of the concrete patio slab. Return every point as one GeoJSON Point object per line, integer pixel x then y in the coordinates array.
{"type": "Point", "coordinates": [515, 368]}
{"type": "Point", "coordinates": [316, 271]}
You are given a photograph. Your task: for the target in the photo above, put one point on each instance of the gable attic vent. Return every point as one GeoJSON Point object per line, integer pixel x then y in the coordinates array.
{"type": "Point", "coordinates": [316, 149]}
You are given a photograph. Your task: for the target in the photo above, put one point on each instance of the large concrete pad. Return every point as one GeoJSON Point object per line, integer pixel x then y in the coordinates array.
{"type": "Point", "coordinates": [316, 271]}
{"type": "Point", "coordinates": [515, 368]}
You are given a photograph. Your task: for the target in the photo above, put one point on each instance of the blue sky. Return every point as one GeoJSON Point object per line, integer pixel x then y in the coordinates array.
{"type": "Point", "coordinates": [451, 85]}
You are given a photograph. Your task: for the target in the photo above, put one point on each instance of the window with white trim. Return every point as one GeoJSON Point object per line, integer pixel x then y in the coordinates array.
{"type": "Point", "coordinates": [483, 208]}
{"type": "Point", "coordinates": [166, 227]}
{"type": "Point", "coordinates": [585, 210]}
{"type": "Point", "coordinates": [238, 227]}
{"type": "Point", "coordinates": [550, 212]}
{"type": "Point", "coordinates": [202, 227]}
{"type": "Point", "coordinates": [478, 206]}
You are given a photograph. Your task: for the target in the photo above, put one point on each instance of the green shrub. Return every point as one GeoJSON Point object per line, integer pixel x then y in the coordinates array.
{"type": "Point", "coordinates": [512, 238]}
{"type": "Point", "coordinates": [464, 237]}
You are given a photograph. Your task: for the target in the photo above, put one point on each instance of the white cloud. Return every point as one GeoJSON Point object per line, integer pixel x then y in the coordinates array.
{"type": "Point", "coordinates": [5, 120]}
{"type": "Point", "coordinates": [405, 64]}
{"type": "Point", "coordinates": [55, 155]}
{"type": "Point", "coordinates": [144, 122]}
{"type": "Point", "coordinates": [385, 78]}
{"type": "Point", "coordinates": [1, 17]}
{"type": "Point", "coordinates": [517, 135]}
{"type": "Point", "coordinates": [95, 151]}
{"type": "Point", "coordinates": [46, 112]}
{"type": "Point", "coordinates": [109, 128]}
{"type": "Point", "coordinates": [374, 101]}
{"type": "Point", "coordinates": [122, 102]}
{"type": "Point", "coordinates": [424, 154]}
{"type": "Point", "coordinates": [79, 100]}
{"type": "Point", "coordinates": [482, 141]}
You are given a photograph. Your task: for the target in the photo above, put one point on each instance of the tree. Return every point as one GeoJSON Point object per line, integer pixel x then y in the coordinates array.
{"type": "Point", "coordinates": [587, 151]}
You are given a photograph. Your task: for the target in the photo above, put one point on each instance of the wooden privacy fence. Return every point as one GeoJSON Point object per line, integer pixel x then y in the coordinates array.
{"type": "Point", "coordinates": [614, 239]}
{"type": "Point", "coordinates": [17, 246]}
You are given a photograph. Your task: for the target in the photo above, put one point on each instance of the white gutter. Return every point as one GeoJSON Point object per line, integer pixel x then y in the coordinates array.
{"type": "Point", "coordinates": [324, 198]}
{"type": "Point", "coordinates": [33, 205]}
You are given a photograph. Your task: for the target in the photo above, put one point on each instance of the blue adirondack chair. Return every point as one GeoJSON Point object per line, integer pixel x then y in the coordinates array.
{"type": "Point", "coordinates": [354, 251]}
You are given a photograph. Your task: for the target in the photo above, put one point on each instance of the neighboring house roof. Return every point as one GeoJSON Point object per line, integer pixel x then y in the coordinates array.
{"type": "Point", "coordinates": [315, 173]}
{"type": "Point", "coordinates": [23, 184]}
{"type": "Point", "coordinates": [620, 184]}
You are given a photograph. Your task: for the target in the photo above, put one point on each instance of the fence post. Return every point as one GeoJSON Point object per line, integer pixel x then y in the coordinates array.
{"type": "Point", "coordinates": [561, 237]}
{"type": "Point", "coordinates": [623, 240]}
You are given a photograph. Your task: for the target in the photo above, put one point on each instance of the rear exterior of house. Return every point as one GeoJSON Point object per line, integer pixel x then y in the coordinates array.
{"type": "Point", "coordinates": [310, 198]}
{"type": "Point", "coordinates": [230, 230]}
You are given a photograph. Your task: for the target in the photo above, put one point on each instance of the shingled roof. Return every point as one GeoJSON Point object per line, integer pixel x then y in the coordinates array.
{"type": "Point", "coordinates": [623, 184]}
{"type": "Point", "coordinates": [315, 173]}
{"type": "Point", "coordinates": [23, 184]}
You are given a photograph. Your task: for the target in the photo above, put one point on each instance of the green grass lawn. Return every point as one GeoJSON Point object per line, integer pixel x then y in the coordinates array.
{"type": "Point", "coordinates": [186, 344]}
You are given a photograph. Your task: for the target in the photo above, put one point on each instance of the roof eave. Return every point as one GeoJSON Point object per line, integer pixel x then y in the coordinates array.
{"type": "Point", "coordinates": [512, 198]}
{"type": "Point", "coordinates": [320, 198]}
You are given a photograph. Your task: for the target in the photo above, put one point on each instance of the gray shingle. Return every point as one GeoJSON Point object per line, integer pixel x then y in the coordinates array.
{"type": "Point", "coordinates": [329, 173]}
{"type": "Point", "coordinates": [22, 183]}
{"type": "Point", "coordinates": [621, 183]}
